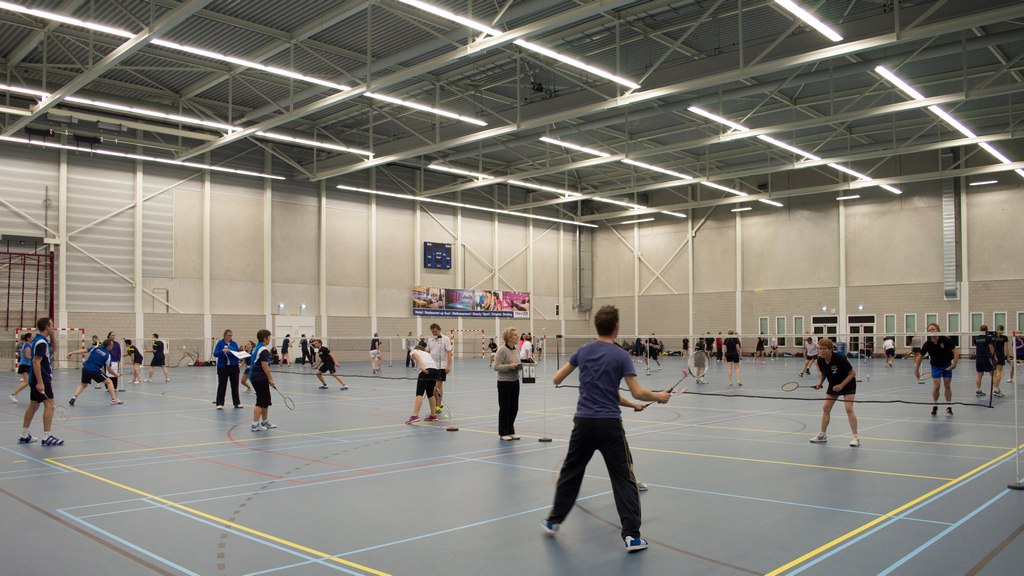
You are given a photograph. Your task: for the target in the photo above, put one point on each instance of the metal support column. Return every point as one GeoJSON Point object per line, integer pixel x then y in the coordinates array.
{"type": "Point", "coordinates": [372, 260]}
{"type": "Point", "coordinates": [140, 316]}
{"type": "Point", "coordinates": [739, 274]}
{"type": "Point", "coordinates": [207, 192]}
{"type": "Point", "coordinates": [268, 245]}
{"type": "Point", "coordinates": [62, 237]}
{"type": "Point", "coordinates": [322, 261]}
{"type": "Point", "coordinates": [843, 319]}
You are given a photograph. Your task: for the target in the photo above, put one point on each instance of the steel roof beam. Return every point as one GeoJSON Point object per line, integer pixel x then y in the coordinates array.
{"type": "Point", "coordinates": [167, 22]}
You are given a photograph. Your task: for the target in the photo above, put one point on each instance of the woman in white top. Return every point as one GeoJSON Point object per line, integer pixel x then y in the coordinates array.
{"type": "Point", "coordinates": [810, 354]}
{"type": "Point", "coordinates": [889, 345]}
{"type": "Point", "coordinates": [526, 352]}
{"type": "Point", "coordinates": [424, 383]}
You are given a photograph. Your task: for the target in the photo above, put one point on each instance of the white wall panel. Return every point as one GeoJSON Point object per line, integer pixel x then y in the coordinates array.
{"type": "Point", "coordinates": [28, 174]}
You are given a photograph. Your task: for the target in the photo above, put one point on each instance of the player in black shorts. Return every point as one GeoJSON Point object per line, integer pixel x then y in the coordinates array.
{"type": "Point", "coordinates": [158, 359]}
{"type": "Point", "coordinates": [40, 381]}
{"type": "Point", "coordinates": [653, 352]}
{"type": "Point", "coordinates": [733, 349]}
{"type": "Point", "coordinates": [328, 364]}
{"type": "Point", "coordinates": [984, 359]}
{"type": "Point", "coordinates": [1001, 343]}
{"type": "Point", "coordinates": [943, 357]}
{"type": "Point", "coordinates": [842, 381]}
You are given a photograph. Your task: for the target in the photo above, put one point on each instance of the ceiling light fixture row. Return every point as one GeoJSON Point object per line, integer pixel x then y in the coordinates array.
{"type": "Point", "coordinates": [195, 51]}
{"type": "Point", "coordinates": [807, 155]}
{"type": "Point", "coordinates": [946, 117]}
{"type": "Point", "coordinates": [142, 157]}
{"type": "Point", "coordinates": [469, 23]}
{"type": "Point", "coordinates": [190, 120]}
{"type": "Point", "coordinates": [463, 205]}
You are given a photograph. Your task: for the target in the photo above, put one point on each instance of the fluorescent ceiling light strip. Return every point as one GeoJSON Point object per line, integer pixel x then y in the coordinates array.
{"type": "Point", "coordinates": [1020, 172]}
{"type": "Point", "coordinates": [785, 146]}
{"type": "Point", "coordinates": [892, 189]}
{"type": "Point", "coordinates": [634, 221]}
{"type": "Point", "coordinates": [469, 23]}
{"type": "Point", "coordinates": [853, 173]}
{"type": "Point", "coordinates": [577, 63]}
{"type": "Point", "coordinates": [676, 214]}
{"type": "Point", "coordinates": [741, 209]}
{"type": "Point", "coordinates": [854, 197]}
{"type": "Point", "coordinates": [724, 188]}
{"type": "Point", "coordinates": [810, 20]}
{"type": "Point", "coordinates": [898, 82]}
{"type": "Point", "coordinates": [424, 108]}
{"type": "Point", "coordinates": [952, 121]}
{"type": "Point", "coordinates": [717, 118]}
{"type": "Point", "coordinates": [618, 203]}
{"type": "Point", "coordinates": [770, 202]}
{"type": "Point", "coordinates": [313, 143]}
{"type": "Point", "coordinates": [28, 91]}
{"type": "Point", "coordinates": [142, 157]}
{"type": "Point", "coordinates": [65, 19]}
{"type": "Point", "coordinates": [551, 189]}
{"type": "Point", "coordinates": [438, 11]}
{"type": "Point", "coordinates": [984, 183]}
{"type": "Point", "coordinates": [467, 206]}
{"type": "Point", "coordinates": [995, 153]}
{"type": "Point", "coordinates": [459, 171]}
{"type": "Point", "coordinates": [150, 113]}
{"type": "Point", "coordinates": [657, 169]}
{"type": "Point", "coordinates": [248, 63]}
{"type": "Point", "coordinates": [576, 147]}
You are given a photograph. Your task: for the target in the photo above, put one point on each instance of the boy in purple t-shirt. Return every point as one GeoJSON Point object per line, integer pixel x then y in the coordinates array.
{"type": "Point", "coordinates": [598, 426]}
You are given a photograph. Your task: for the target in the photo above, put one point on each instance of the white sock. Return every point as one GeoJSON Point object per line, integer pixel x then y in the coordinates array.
{"type": "Point", "coordinates": [24, 433]}
{"type": "Point", "coordinates": [46, 433]}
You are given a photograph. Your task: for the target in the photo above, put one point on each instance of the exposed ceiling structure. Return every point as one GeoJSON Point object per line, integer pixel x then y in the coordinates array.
{"type": "Point", "coordinates": [585, 111]}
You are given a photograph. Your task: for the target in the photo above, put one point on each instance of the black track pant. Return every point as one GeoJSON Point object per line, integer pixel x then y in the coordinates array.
{"type": "Point", "coordinates": [223, 375]}
{"type": "Point", "coordinates": [607, 436]}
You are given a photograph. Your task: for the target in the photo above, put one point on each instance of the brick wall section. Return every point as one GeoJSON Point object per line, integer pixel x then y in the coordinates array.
{"type": "Point", "coordinates": [665, 314]}
{"type": "Point", "coordinates": [101, 323]}
{"type": "Point", "coordinates": [243, 326]}
{"type": "Point", "coordinates": [713, 312]}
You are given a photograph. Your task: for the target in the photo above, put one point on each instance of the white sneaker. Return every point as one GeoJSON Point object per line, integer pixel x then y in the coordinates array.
{"type": "Point", "coordinates": [641, 486]}
{"type": "Point", "coordinates": [14, 399]}
{"type": "Point", "coordinates": [819, 438]}
{"type": "Point", "coordinates": [855, 442]}
{"type": "Point", "coordinates": [167, 380]}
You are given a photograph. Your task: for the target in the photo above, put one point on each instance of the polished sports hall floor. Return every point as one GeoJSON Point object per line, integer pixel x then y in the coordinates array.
{"type": "Point", "coordinates": [166, 484]}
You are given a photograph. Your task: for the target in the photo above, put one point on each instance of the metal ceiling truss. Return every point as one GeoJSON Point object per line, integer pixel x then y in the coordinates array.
{"type": "Point", "coordinates": [779, 79]}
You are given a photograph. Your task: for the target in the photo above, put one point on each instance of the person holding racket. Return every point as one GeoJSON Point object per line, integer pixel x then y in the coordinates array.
{"type": "Point", "coordinates": [597, 425]}
{"type": "Point", "coordinates": [24, 364]}
{"type": "Point", "coordinates": [40, 381]}
{"type": "Point", "coordinates": [942, 356]}
{"type": "Point", "coordinates": [262, 379]}
{"type": "Point", "coordinates": [227, 369]}
{"type": "Point", "coordinates": [733, 350]}
{"type": "Point", "coordinates": [842, 381]}
{"type": "Point", "coordinates": [95, 368]}
{"type": "Point", "coordinates": [984, 359]}
{"type": "Point", "coordinates": [810, 354]}
{"type": "Point", "coordinates": [425, 383]}
{"type": "Point", "coordinates": [507, 364]}
{"type": "Point", "coordinates": [440, 348]}
{"type": "Point", "coordinates": [1002, 345]}
{"type": "Point", "coordinates": [328, 365]}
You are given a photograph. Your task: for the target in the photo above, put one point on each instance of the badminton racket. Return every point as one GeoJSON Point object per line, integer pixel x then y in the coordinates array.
{"type": "Point", "coordinates": [288, 402]}
{"type": "Point", "coordinates": [61, 414]}
{"type": "Point", "coordinates": [671, 390]}
{"type": "Point", "coordinates": [791, 386]}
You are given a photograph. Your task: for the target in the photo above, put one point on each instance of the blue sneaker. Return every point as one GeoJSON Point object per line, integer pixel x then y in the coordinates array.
{"type": "Point", "coordinates": [266, 425]}
{"type": "Point", "coordinates": [343, 388]}
{"type": "Point", "coordinates": [26, 439]}
{"type": "Point", "coordinates": [52, 440]}
{"type": "Point", "coordinates": [324, 387]}
{"type": "Point", "coordinates": [255, 427]}
{"type": "Point", "coordinates": [635, 544]}
{"type": "Point", "coordinates": [550, 528]}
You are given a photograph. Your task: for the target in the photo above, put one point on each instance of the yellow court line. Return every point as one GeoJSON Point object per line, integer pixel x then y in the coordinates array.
{"type": "Point", "coordinates": [221, 521]}
{"type": "Point", "coordinates": [798, 464]}
{"type": "Point", "coordinates": [881, 439]}
{"type": "Point", "coordinates": [890, 514]}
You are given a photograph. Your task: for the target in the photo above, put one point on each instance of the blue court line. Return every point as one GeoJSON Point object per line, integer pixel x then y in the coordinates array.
{"type": "Point", "coordinates": [27, 457]}
{"type": "Point", "coordinates": [942, 534]}
{"type": "Point", "coordinates": [710, 493]}
{"type": "Point", "coordinates": [310, 559]}
{"type": "Point", "coordinates": [128, 544]}
{"type": "Point", "coordinates": [897, 518]}
{"type": "Point", "coordinates": [508, 450]}
{"type": "Point", "coordinates": [429, 535]}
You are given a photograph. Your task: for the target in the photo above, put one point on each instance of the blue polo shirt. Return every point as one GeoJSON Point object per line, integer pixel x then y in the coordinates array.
{"type": "Point", "coordinates": [41, 349]}
{"type": "Point", "coordinates": [602, 367]}
{"type": "Point", "coordinates": [99, 357]}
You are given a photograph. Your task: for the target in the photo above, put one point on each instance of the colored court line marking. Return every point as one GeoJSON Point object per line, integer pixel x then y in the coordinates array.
{"type": "Point", "coordinates": [891, 514]}
{"type": "Point", "coordinates": [756, 460]}
{"type": "Point", "coordinates": [880, 439]}
{"type": "Point", "coordinates": [220, 521]}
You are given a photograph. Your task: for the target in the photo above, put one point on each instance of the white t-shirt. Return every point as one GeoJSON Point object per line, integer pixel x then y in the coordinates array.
{"type": "Point", "coordinates": [526, 351]}
{"type": "Point", "coordinates": [775, 341]}
{"type": "Point", "coordinates": [811, 346]}
{"type": "Point", "coordinates": [423, 359]}
{"type": "Point", "coordinates": [888, 344]}
{"type": "Point", "coordinates": [439, 348]}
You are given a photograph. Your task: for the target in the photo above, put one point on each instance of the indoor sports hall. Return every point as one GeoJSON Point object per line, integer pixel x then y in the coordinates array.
{"type": "Point", "coordinates": [505, 288]}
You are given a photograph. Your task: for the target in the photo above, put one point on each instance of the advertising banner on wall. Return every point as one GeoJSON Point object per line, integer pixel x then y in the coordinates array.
{"type": "Point", "coordinates": [454, 302]}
